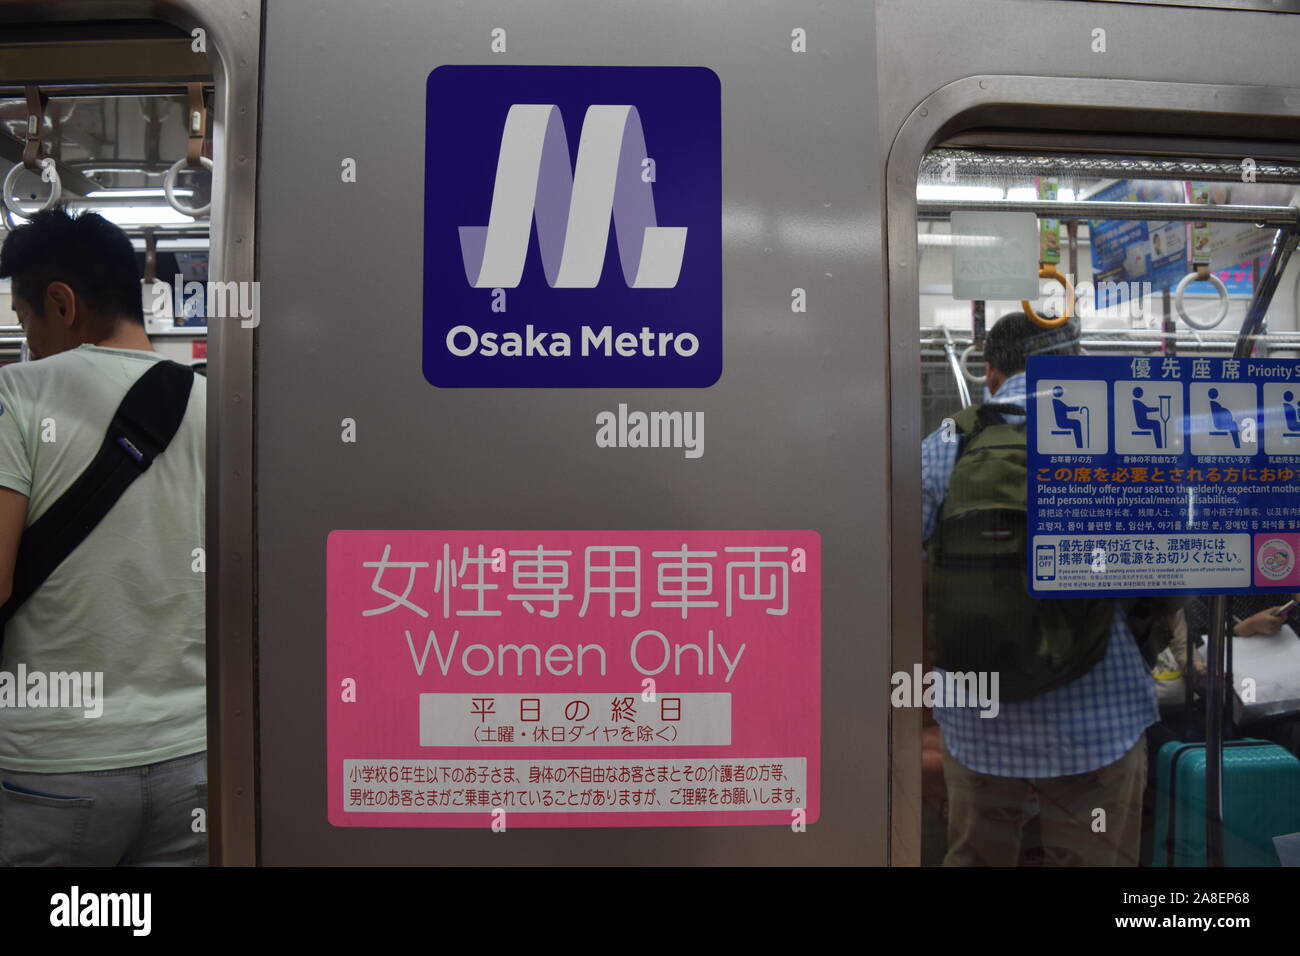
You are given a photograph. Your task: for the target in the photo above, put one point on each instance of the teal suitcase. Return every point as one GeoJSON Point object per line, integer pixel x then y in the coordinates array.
{"type": "Point", "coordinates": [1261, 800]}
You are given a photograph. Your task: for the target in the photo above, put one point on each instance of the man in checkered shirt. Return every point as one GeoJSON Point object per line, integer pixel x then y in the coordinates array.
{"type": "Point", "coordinates": [1080, 748]}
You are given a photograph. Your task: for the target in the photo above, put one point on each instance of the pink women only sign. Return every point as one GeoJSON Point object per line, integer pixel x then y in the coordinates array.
{"type": "Point", "coordinates": [573, 678]}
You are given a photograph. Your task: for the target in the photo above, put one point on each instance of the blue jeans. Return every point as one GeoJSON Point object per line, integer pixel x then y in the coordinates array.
{"type": "Point", "coordinates": [131, 816]}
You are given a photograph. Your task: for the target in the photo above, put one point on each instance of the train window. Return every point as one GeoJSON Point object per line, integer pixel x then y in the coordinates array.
{"type": "Point", "coordinates": [117, 139]}
{"type": "Point", "coordinates": [106, 146]}
{"type": "Point", "coordinates": [1046, 713]}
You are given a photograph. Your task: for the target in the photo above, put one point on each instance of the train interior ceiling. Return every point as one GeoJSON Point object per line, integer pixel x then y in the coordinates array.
{"type": "Point", "coordinates": [113, 130]}
{"type": "Point", "coordinates": [1126, 272]}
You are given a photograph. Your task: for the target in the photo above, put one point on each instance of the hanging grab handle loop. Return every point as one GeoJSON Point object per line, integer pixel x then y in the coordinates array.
{"type": "Point", "coordinates": [1049, 254]}
{"type": "Point", "coordinates": [965, 370]}
{"type": "Point", "coordinates": [197, 129]}
{"type": "Point", "coordinates": [197, 124]}
{"type": "Point", "coordinates": [32, 157]}
{"type": "Point", "coordinates": [1201, 275]}
{"type": "Point", "coordinates": [150, 258]}
{"type": "Point", "coordinates": [1200, 239]}
{"type": "Point", "coordinates": [35, 127]}
{"type": "Point", "coordinates": [1048, 271]}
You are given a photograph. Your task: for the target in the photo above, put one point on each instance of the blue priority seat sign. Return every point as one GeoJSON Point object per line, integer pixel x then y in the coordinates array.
{"type": "Point", "coordinates": [1159, 475]}
{"type": "Point", "coordinates": [573, 227]}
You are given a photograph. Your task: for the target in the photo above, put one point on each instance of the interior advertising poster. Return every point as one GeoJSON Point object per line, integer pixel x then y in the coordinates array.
{"type": "Point", "coordinates": [1131, 253]}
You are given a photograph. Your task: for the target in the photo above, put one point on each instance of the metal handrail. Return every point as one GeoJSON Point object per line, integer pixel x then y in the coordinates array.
{"type": "Point", "coordinates": [1227, 338]}
{"type": "Point", "coordinates": [1110, 167]}
{"type": "Point", "coordinates": [1218, 648]}
{"type": "Point", "coordinates": [933, 341]}
{"type": "Point", "coordinates": [963, 392]}
{"type": "Point", "coordinates": [12, 334]}
{"type": "Point", "coordinates": [1278, 217]}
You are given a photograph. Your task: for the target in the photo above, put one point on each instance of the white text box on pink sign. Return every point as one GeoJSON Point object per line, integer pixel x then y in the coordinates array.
{"type": "Point", "coordinates": [579, 720]}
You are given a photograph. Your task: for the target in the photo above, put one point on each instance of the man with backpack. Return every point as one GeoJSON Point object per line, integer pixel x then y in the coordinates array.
{"type": "Point", "coordinates": [103, 732]}
{"type": "Point", "coordinates": [1077, 694]}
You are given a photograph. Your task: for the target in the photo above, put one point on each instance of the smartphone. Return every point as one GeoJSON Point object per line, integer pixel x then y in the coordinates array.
{"type": "Point", "coordinates": [1285, 609]}
{"type": "Point", "coordinates": [1045, 562]}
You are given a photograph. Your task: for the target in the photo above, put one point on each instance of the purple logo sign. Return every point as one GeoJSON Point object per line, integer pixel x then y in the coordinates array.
{"type": "Point", "coordinates": [573, 281]}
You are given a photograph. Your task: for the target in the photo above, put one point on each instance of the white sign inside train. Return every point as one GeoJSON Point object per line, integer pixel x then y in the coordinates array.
{"type": "Point", "coordinates": [994, 255]}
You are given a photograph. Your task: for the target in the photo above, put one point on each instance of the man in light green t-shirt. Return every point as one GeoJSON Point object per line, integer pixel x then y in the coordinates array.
{"type": "Point", "coordinates": [102, 694]}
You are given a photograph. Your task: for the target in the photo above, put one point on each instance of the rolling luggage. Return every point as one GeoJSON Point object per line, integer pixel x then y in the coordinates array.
{"type": "Point", "coordinates": [1260, 786]}
{"type": "Point", "coordinates": [1261, 800]}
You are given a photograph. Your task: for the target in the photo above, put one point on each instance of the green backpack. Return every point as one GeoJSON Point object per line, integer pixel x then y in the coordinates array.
{"type": "Point", "coordinates": [981, 615]}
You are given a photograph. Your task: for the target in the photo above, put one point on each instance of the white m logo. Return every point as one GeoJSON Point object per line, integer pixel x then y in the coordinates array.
{"type": "Point", "coordinates": [572, 208]}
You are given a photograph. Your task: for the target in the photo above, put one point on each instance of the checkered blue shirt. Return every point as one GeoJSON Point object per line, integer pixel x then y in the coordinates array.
{"type": "Point", "coordinates": [1085, 725]}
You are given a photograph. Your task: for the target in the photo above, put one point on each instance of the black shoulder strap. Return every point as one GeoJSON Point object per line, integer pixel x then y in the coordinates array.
{"type": "Point", "coordinates": [141, 429]}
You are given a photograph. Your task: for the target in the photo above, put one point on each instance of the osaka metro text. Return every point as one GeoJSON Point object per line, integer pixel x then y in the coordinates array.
{"type": "Point", "coordinates": [464, 340]}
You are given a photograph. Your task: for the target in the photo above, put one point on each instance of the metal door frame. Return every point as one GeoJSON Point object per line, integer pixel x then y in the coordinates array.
{"type": "Point", "coordinates": [234, 36]}
{"type": "Point", "coordinates": [1132, 114]}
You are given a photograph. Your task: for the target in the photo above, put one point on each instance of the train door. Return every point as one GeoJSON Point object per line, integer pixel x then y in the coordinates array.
{"type": "Point", "coordinates": [438, 428]}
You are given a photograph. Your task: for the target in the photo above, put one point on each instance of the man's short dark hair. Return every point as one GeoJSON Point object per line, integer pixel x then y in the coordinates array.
{"type": "Point", "coordinates": [1014, 337]}
{"type": "Point", "coordinates": [89, 253]}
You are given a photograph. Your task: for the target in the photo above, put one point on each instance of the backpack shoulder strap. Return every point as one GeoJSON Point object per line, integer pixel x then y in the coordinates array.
{"type": "Point", "coordinates": [973, 419]}
{"type": "Point", "coordinates": [991, 413]}
{"type": "Point", "coordinates": [967, 420]}
{"type": "Point", "coordinates": [142, 428]}
{"type": "Point", "coordinates": [969, 424]}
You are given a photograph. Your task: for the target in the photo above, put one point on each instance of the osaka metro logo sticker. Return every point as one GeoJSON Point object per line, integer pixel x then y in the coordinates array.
{"type": "Point", "coordinates": [573, 227]}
